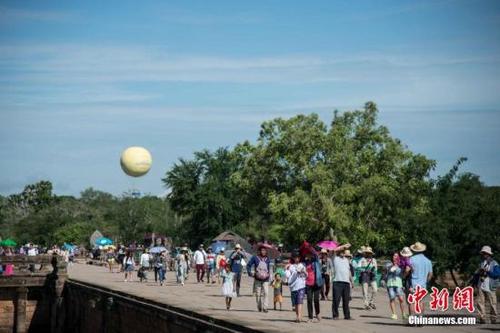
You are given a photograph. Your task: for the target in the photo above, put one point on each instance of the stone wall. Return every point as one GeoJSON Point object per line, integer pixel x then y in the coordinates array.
{"type": "Point", "coordinates": [90, 308]}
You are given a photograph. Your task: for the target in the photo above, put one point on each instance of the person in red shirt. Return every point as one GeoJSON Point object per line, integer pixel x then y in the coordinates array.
{"type": "Point", "coordinates": [314, 283]}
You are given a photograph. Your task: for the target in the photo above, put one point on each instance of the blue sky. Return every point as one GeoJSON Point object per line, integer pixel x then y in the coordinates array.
{"type": "Point", "coordinates": [81, 81]}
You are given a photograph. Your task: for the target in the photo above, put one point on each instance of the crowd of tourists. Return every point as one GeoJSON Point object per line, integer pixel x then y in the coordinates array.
{"type": "Point", "coordinates": [310, 273]}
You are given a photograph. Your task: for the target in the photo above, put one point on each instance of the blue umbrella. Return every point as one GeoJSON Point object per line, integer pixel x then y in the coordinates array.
{"type": "Point", "coordinates": [157, 249]}
{"type": "Point", "coordinates": [103, 241]}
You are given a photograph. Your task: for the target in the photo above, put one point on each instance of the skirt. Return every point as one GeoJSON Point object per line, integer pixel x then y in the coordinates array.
{"type": "Point", "coordinates": [227, 290]}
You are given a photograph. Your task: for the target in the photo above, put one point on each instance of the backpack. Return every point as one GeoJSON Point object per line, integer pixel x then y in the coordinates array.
{"type": "Point", "coordinates": [261, 271]}
{"type": "Point", "coordinates": [222, 263]}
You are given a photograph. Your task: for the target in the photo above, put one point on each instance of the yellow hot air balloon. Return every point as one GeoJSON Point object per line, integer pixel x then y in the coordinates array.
{"type": "Point", "coordinates": [136, 161]}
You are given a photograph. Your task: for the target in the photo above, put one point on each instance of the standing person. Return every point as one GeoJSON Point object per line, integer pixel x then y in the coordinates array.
{"type": "Point", "coordinates": [296, 275]}
{"type": "Point", "coordinates": [9, 268]}
{"type": "Point", "coordinates": [110, 258]}
{"type": "Point", "coordinates": [144, 262]}
{"type": "Point", "coordinates": [404, 264]}
{"type": "Point", "coordinates": [235, 260]}
{"type": "Point", "coordinates": [210, 265]}
{"type": "Point", "coordinates": [420, 268]}
{"type": "Point", "coordinates": [314, 283]}
{"type": "Point", "coordinates": [199, 260]}
{"type": "Point", "coordinates": [486, 286]}
{"type": "Point", "coordinates": [182, 262]}
{"type": "Point", "coordinates": [228, 285]}
{"type": "Point", "coordinates": [128, 264]}
{"type": "Point", "coordinates": [368, 279]}
{"type": "Point", "coordinates": [326, 272]}
{"type": "Point", "coordinates": [342, 281]}
{"type": "Point", "coordinates": [260, 263]}
{"type": "Point", "coordinates": [220, 263]}
{"type": "Point", "coordinates": [277, 286]}
{"type": "Point", "coordinates": [156, 265]}
{"type": "Point", "coordinates": [121, 255]}
{"type": "Point", "coordinates": [395, 286]}
{"type": "Point", "coordinates": [162, 266]}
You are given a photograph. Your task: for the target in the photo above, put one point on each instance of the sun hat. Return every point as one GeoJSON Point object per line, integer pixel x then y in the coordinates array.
{"type": "Point", "coordinates": [486, 249]}
{"type": "Point", "coordinates": [324, 251]}
{"type": "Point", "coordinates": [418, 247]}
{"type": "Point", "coordinates": [347, 253]}
{"type": "Point", "coordinates": [368, 249]}
{"type": "Point", "coordinates": [362, 249]}
{"type": "Point", "coordinates": [221, 250]}
{"type": "Point", "coordinates": [184, 248]}
{"type": "Point", "coordinates": [237, 246]}
{"type": "Point", "coordinates": [406, 252]}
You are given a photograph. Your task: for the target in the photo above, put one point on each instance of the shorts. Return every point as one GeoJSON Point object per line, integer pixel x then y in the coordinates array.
{"type": "Point", "coordinates": [278, 299]}
{"type": "Point", "coordinates": [395, 291]}
{"type": "Point", "coordinates": [298, 296]}
{"type": "Point", "coordinates": [129, 268]}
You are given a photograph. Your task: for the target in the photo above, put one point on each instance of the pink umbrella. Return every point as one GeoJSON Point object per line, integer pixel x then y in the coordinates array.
{"type": "Point", "coordinates": [327, 244]}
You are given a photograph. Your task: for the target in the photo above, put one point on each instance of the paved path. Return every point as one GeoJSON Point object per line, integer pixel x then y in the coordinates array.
{"type": "Point", "coordinates": [206, 299]}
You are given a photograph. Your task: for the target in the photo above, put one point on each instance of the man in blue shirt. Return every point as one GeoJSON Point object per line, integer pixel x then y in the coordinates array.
{"type": "Point", "coordinates": [261, 273]}
{"type": "Point", "coordinates": [420, 268]}
{"type": "Point", "coordinates": [236, 266]}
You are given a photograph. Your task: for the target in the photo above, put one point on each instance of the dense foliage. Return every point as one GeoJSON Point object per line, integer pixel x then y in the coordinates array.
{"type": "Point", "coordinates": [300, 179]}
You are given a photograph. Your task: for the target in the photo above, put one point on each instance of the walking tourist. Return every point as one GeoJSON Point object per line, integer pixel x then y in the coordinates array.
{"type": "Point", "coordinates": [486, 286]}
{"type": "Point", "coordinates": [128, 264]}
{"type": "Point", "coordinates": [314, 283]}
{"type": "Point", "coordinates": [404, 264]}
{"type": "Point", "coordinates": [121, 255]}
{"type": "Point", "coordinates": [211, 271]}
{"type": "Point", "coordinates": [144, 262]}
{"type": "Point", "coordinates": [199, 260]}
{"type": "Point", "coordinates": [367, 276]}
{"type": "Point", "coordinates": [228, 285]}
{"type": "Point", "coordinates": [162, 266]}
{"type": "Point", "coordinates": [236, 261]}
{"type": "Point", "coordinates": [395, 286]}
{"type": "Point", "coordinates": [326, 272]}
{"type": "Point", "coordinates": [296, 275]}
{"type": "Point", "coordinates": [260, 265]}
{"type": "Point", "coordinates": [420, 269]}
{"type": "Point", "coordinates": [277, 285]}
{"type": "Point", "coordinates": [182, 264]}
{"type": "Point", "coordinates": [342, 281]}
{"type": "Point", "coordinates": [110, 259]}
{"type": "Point", "coordinates": [220, 263]}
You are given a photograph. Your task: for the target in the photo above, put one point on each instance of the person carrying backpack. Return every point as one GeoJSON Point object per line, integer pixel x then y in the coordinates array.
{"type": "Point", "coordinates": [261, 273]}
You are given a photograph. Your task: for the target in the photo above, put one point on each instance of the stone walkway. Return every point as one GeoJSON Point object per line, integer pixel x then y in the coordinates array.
{"type": "Point", "coordinates": [206, 299]}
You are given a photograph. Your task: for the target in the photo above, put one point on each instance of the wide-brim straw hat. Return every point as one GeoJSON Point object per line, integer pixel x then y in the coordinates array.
{"type": "Point", "coordinates": [368, 249]}
{"type": "Point", "coordinates": [347, 253]}
{"type": "Point", "coordinates": [237, 246]}
{"type": "Point", "coordinates": [324, 251]}
{"type": "Point", "coordinates": [486, 249]}
{"type": "Point", "coordinates": [418, 247]}
{"type": "Point", "coordinates": [406, 252]}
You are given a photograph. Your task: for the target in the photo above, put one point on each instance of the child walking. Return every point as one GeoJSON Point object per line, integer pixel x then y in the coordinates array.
{"type": "Point", "coordinates": [227, 285]}
{"type": "Point", "coordinates": [277, 285]}
{"type": "Point", "coordinates": [296, 275]}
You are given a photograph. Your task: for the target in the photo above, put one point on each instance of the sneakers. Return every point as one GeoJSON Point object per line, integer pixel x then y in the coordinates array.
{"type": "Point", "coordinates": [394, 316]}
{"type": "Point", "coordinates": [405, 316]}
{"type": "Point", "coordinates": [373, 306]}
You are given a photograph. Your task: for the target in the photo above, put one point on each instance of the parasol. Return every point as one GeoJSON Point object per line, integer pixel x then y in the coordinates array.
{"type": "Point", "coordinates": [328, 245]}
